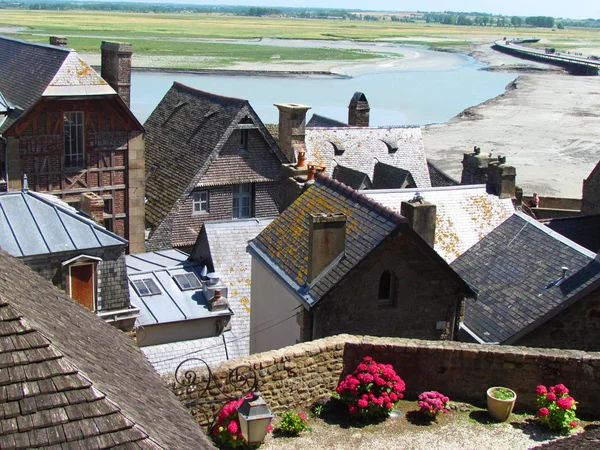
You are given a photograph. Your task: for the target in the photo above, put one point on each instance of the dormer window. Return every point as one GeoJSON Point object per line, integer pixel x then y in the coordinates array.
{"type": "Point", "coordinates": [187, 281]}
{"type": "Point", "coordinates": [200, 202]}
{"type": "Point", "coordinates": [146, 287]}
{"type": "Point", "coordinates": [385, 297]}
{"type": "Point", "coordinates": [243, 144]}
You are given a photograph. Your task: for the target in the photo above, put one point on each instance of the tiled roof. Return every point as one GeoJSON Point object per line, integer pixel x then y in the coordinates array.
{"type": "Point", "coordinates": [583, 230]}
{"type": "Point", "coordinates": [517, 269]}
{"type": "Point", "coordinates": [69, 380]}
{"type": "Point", "coordinates": [284, 243]}
{"type": "Point", "coordinates": [324, 122]}
{"type": "Point", "coordinates": [361, 148]}
{"type": "Point", "coordinates": [184, 136]}
{"type": "Point", "coordinates": [465, 214]}
{"type": "Point", "coordinates": [390, 177]}
{"type": "Point", "coordinates": [351, 178]}
{"type": "Point", "coordinates": [37, 224]}
{"type": "Point", "coordinates": [28, 69]}
{"type": "Point", "coordinates": [439, 178]}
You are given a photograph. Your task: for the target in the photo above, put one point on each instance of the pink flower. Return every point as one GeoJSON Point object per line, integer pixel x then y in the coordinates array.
{"type": "Point", "coordinates": [361, 367]}
{"type": "Point", "coordinates": [233, 427]}
{"type": "Point", "coordinates": [565, 403]}
{"type": "Point", "coordinates": [362, 403]}
{"type": "Point", "coordinates": [541, 390]}
{"type": "Point", "coordinates": [269, 428]}
{"type": "Point", "coordinates": [551, 396]}
{"type": "Point", "coordinates": [573, 424]}
{"type": "Point", "coordinates": [367, 359]}
{"type": "Point", "coordinates": [543, 412]}
{"type": "Point", "coordinates": [389, 405]}
{"type": "Point", "coordinates": [393, 397]}
{"type": "Point", "coordinates": [352, 409]}
{"type": "Point", "coordinates": [302, 416]}
{"type": "Point", "coordinates": [560, 389]}
{"type": "Point", "coordinates": [373, 369]}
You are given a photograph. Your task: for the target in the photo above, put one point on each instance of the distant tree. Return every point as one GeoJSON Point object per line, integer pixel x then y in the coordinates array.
{"type": "Point", "coordinates": [516, 21]}
{"type": "Point", "coordinates": [560, 26]}
{"type": "Point", "coordinates": [540, 21]}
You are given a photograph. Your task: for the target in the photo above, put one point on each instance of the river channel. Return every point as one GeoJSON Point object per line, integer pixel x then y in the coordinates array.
{"type": "Point", "coordinates": [421, 88]}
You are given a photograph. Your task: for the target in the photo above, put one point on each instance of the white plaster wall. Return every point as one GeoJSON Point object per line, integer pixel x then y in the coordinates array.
{"type": "Point", "coordinates": [272, 302]}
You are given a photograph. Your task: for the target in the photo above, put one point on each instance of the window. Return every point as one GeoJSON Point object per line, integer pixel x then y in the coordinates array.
{"type": "Point", "coordinates": [243, 146]}
{"type": "Point", "coordinates": [145, 287]}
{"type": "Point", "coordinates": [200, 202]}
{"type": "Point", "coordinates": [108, 224]}
{"type": "Point", "coordinates": [242, 201]}
{"type": "Point", "coordinates": [385, 293]}
{"type": "Point", "coordinates": [108, 206]}
{"type": "Point", "coordinates": [73, 127]}
{"type": "Point", "coordinates": [187, 281]}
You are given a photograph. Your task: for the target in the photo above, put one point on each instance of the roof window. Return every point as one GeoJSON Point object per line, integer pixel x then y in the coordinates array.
{"type": "Point", "coordinates": [187, 281]}
{"type": "Point", "coordinates": [146, 287]}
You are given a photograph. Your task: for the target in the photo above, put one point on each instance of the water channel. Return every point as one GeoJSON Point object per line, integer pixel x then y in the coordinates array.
{"type": "Point", "coordinates": [424, 87]}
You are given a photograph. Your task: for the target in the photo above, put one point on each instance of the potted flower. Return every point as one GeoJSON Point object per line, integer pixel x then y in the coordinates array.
{"type": "Point", "coordinates": [500, 403]}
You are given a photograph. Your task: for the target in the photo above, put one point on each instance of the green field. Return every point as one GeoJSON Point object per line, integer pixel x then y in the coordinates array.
{"type": "Point", "coordinates": [180, 35]}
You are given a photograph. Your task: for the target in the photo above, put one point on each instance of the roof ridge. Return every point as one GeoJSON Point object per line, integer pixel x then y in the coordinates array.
{"type": "Point", "coordinates": [360, 198]}
{"type": "Point", "coordinates": [38, 44]}
{"type": "Point", "coordinates": [462, 187]}
{"type": "Point", "coordinates": [199, 92]}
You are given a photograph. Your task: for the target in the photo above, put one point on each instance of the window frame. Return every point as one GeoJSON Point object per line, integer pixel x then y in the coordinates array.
{"type": "Point", "coordinates": [73, 159]}
{"type": "Point", "coordinates": [243, 143]}
{"type": "Point", "coordinates": [187, 276]}
{"type": "Point", "coordinates": [239, 194]}
{"type": "Point", "coordinates": [146, 286]}
{"type": "Point", "coordinates": [199, 202]}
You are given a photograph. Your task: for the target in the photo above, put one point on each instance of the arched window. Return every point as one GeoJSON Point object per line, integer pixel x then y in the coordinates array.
{"type": "Point", "coordinates": [385, 293]}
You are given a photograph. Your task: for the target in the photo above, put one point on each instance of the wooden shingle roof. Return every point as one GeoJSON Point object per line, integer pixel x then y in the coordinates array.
{"type": "Point", "coordinates": [69, 380]}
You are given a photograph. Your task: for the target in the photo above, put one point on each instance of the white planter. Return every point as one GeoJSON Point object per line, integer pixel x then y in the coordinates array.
{"type": "Point", "coordinates": [498, 409]}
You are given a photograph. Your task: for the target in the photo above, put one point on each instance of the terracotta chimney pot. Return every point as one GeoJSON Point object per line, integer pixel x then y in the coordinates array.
{"type": "Point", "coordinates": [301, 158]}
{"type": "Point", "coordinates": [321, 168]}
{"type": "Point", "coordinates": [312, 170]}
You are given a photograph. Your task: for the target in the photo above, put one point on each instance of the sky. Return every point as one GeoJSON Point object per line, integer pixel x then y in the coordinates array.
{"type": "Point", "coordinates": [575, 9]}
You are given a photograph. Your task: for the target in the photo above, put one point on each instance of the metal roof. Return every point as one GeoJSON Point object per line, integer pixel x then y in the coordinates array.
{"type": "Point", "coordinates": [36, 224]}
{"type": "Point", "coordinates": [172, 304]}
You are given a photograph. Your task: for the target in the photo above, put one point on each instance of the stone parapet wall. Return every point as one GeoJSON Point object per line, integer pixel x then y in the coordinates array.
{"type": "Point", "coordinates": [295, 376]}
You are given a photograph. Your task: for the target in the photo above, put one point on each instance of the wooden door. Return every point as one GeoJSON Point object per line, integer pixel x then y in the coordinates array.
{"type": "Point", "coordinates": [82, 285]}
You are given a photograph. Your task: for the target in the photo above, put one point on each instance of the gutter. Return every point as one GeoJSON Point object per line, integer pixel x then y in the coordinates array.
{"type": "Point", "coordinates": [474, 336]}
{"type": "Point", "coordinates": [119, 315]}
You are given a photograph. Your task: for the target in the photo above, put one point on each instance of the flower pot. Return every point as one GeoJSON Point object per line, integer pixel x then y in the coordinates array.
{"type": "Point", "coordinates": [498, 409]}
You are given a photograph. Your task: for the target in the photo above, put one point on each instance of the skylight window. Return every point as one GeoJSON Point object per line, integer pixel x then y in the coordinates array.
{"type": "Point", "coordinates": [187, 281]}
{"type": "Point", "coordinates": [146, 287]}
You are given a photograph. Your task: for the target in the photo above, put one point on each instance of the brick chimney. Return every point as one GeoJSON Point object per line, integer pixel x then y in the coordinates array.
{"type": "Point", "coordinates": [421, 217]}
{"type": "Point", "coordinates": [218, 302]}
{"type": "Point", "coordinates": [475, 166]}
{"type": "Point", "coordinates": [358, 110]}
{"type": "Point", "coordinates": [292, 128]}
{"type": "Point", "coordinates": [326, 241]}
{"type": "Point", "coordinates": [92, 205]}
{"type": "Point", "coordinates": [116, 67]}
{"type": "Point", "coordinates": [58, 41]}
{"type": "Point", "coordinates": [501, 178]}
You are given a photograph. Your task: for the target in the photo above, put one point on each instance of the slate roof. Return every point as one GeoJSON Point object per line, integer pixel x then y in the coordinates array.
{"type": "Point", "coordinates": [352, 178]}
{"type": "Point", "coordinates": [390, 177]}
{"type": "Point", "coordinates": [517, 271]}
{"type": "Point", "coordinates": [283, 245]}
{"type": "Point", "coordinates": [29, 70]}
{"type": "Point", "coordinates": [360, 148]}
{"type": "Point", "coordinates": [324, 122]}
{"type": "Point", "coordinates": [583, 230]}
{"type": "Point", "coordinates": [69, 380]}
{"type": "Point", "coordinates": [38, 224]}
{"type": "Point", "coordinates": [465, 214]}
{"type": "Point", "coordinates": [184, 136]}
{"type": "Point", "coordinates": [438, 177]}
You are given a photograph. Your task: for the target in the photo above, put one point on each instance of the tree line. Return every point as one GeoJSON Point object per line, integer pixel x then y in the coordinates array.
{"type": "Point", "coordinates": [480, 19]}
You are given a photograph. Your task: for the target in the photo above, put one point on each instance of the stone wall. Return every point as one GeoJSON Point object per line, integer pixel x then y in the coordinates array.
{"type": "Point", "coordinates": [295, 376]}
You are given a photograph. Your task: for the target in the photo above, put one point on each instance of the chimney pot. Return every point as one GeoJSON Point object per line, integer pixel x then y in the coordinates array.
{"type": "Point", "coordinates": [321, 167]}
{"type": "Point", "coordinates": [218, 302]}
{"type": "Point", "coordinates": [292, 128]}
{"type": "Point", "coordinates": [312, 170]}
{"type": "Point", "coordinates": [301, 158]}
{"type": "Point", "coordinates": [116, 67]}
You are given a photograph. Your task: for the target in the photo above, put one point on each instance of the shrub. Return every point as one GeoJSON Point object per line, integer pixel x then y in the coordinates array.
{"type": "Point", "coordinates": [556, 408]}
{"type": "Point", "coordinates": [432, 403]}
{"type": "Point", "coordinates": [372, 390]}
{"type": "Point", "coordinates": [227, 432]}
{"type": "Point", "coordinates": [292, 423]}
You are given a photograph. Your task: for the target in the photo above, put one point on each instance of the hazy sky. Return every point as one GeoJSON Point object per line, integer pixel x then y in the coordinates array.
{"type": "Point", "coordinates": [557, 8]}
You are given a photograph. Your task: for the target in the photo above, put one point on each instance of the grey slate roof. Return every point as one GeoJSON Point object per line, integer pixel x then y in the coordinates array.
{"type": "Point", "coordinates": [360, 148]}
{"type": "Point", "coordinates": [283, 245]}
{"type": "Point", "coordinates": [516, 269]}
{"type": "Point", "coordinates": [583, 230]}
{"type": "Point", "coordinates": [324, 122]}
{"type": "Point", "coordinates": [390, 177]}
{"type": "Point", "coordinates": [438, 177]}
{"type": "Point", "coordinates": [352, 178]}
{"type": "Point", "coordinates": [37, 224]}
{"type": "Point", "coordinates": [464, 214]}
{"type": "Point", "coordinates": [171, 304]}
{"type": "Point", "coordinates": [69, 380]}
{"type": "Point", "coordinates": [28, 69]}
{"type": "Point", "coordinates": [184, 135]}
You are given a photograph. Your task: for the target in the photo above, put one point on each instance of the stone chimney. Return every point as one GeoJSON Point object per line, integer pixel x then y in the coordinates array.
{"type": "Point", "coordinates": [116, 67]}
{"type": "Point", "coordinates": [501, 178]}
{"type": "Point", "coordinates": [326, 241]}
{"type": "Point", "coordinates": [294, 179]}
{"type": "Point", "coordinates": [58, 41]}
{"type": "Point", "coordinates": [292, 128]}
{"type": "Point", "coordinates": [421, 216]}
{"type": "Point", "coordinates": [475, 166]}
{"type": "Point", "coordinates": [218, 302]}
{"type": "Point", "coordinates": [358, 110]}
{"type": "Point", "coordinates": [92, 205]}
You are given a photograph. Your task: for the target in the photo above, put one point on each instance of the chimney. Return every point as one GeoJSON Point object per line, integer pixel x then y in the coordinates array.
{"type": "Point", "coordinates": [326, 241]}
{"type": "Point", "coordinates": [92, 205]}
{"type": "Point", "coordinates": [116, 67]}
{"type": "Point", "coordinates": [501, 178]}
{"type": "Point", "coordinates": [358, 110]}
{"type": "Point", "coordinates": [475, 166]}
{"type": "Point", "coordinates": [58, 41]}
{"type": "Point", "coordinates": [312, 171]}
{"type": "Point", "coordinates": [292, 128]}
{"type": "Point", "coordinates": [218, 302]}
{"type": "Point", "coordinates": [421, 216]}
{"type": "Point", "coordinates": [301, 158]}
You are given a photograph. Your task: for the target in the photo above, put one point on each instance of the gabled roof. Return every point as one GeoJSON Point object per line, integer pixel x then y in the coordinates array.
{"type": "Point", "coordinates": [439, 178]}
{"type": "Point", "coordinates": [360, 148]}
{"type": "Point", "coordinates": [390, 177]}
{"type": "Point", "coordinates": [465, 214]}
{"type": "Point", "coordinates": [324, 122]}
{"type": "Point", "coordinates": [517, 269]}
{"type": "Point", "coordinates": [283, 245]}
{"type": "Point", "coordinates": [583, 230]}
{"type": "Point", "coordinates": [184, 135]}
{"type": "Point", "coordinates": [68, 379]}
{"type": "Point", "coordinates": [38, 224]}
{"type": "Point", "coordinates": [29, 71]}
{"type": "Point", "coordinates": [352, 178]}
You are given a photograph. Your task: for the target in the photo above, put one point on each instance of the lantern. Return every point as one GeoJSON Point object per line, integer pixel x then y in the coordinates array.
{"type": "Point", "coordinates": [255, 418]}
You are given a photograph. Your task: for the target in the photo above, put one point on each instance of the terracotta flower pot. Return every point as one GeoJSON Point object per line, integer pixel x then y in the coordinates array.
{"type": "Point", "coordinates": [498, 409]}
